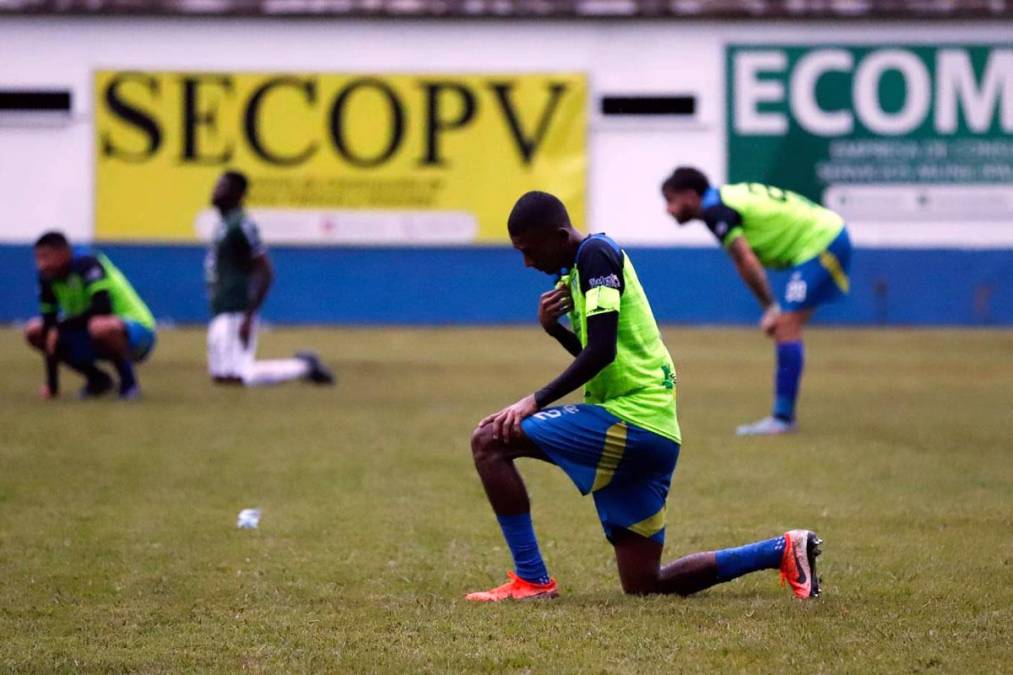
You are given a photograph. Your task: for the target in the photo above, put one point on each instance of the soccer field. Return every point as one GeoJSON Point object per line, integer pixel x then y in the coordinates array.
{"type": "Point", "coordinates": [119, 548]}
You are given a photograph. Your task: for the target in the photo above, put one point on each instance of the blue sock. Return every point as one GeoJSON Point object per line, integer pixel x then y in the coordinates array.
{"type": "Point", "coordinates": [763, 555]}
{"type": "Point", "coordinates": [790, 359]}
{"type": "Point", "coordinates": [520, 537]}
{"type": "Point", "coordinates": [126, 373]}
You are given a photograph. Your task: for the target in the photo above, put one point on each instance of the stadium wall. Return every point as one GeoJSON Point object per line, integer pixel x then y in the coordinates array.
{"type": "Point", "coordinates": [938, 274]}
{"type": "Point", "coordinates": [475, 285]}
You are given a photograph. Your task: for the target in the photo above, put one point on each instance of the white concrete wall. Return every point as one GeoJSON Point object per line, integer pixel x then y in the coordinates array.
{"type": "Point", "coordinates": [46, 172]}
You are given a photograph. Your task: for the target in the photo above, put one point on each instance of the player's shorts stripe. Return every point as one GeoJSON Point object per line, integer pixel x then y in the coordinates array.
{"type": "Point", "coordinates": [648, 527]}
{"type": "Point", "coordinates": [832, 265]}
{"type": "Point", "coordinates": [611, 455]}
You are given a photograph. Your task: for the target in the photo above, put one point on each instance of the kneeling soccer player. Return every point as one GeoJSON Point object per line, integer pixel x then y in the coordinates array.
{"type": "Point", "coordinates": [89, 312]}
{"type": "Point", "coordinates": [239, 275]}
{"type": "Point", "coordinates": [622, 444]}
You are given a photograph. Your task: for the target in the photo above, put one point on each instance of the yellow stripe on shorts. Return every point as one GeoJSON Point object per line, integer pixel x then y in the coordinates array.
{"type": "Point", "coordinates": [832, 265]}
{"type": "Point", "coordinates": [611, 455]}
{"type": "Point", "coordinates": [648, 527]}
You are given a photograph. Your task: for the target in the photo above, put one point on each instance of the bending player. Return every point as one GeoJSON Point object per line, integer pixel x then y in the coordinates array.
{"type": "Point", "coordinates": [239, 275]}
{"type": "Point", "coordinates": [622, 444]}
{"type": "Point", "coordinates": [89, 312]}
{"type": "Point", "coordinates": [766, 227]}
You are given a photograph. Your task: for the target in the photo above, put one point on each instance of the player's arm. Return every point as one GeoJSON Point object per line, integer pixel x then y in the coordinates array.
{"type": "Point", "coordinates": [726, 224]}
{"type": "Point", "coordinates": [602, 332]}
{"type": "Point", "coordinates": [48, 307]}
{"type": "Point", "coordinates": [551, 306]}
{"type": "Point", "coordinates": [600, 269]}
{"type": "Point", "coordinates": [751, 271]}
{"type": "Point", "coordinates": [602, 284]}
{"type": "Point", "coordinates": [261, 278]}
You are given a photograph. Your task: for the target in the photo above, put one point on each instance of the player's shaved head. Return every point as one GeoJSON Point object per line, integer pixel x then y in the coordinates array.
{"type": "Point", "coordinates": [540, 229]}
{"type": "Point", "coordinates": [537, 211]}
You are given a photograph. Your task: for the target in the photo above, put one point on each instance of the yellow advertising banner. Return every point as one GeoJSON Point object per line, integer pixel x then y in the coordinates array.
{"type": "Point", "coordinates": [336, 158]}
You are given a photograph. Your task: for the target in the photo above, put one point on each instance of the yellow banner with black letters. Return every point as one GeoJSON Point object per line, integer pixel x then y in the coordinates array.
{"type": "Point", "coordinates": [336, 158]}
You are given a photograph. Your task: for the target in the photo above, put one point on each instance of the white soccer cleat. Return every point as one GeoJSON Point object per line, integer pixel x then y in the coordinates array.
{"type": "Point", "coordinates": [768, 426]}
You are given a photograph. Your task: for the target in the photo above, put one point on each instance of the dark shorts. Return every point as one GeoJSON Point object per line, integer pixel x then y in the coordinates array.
{"type": "Point", "coordinates": [628, 470]}
{"type": "Point", "coordinates": [821, 279]}
{"type": "Point", "coordinates": [76, 342]}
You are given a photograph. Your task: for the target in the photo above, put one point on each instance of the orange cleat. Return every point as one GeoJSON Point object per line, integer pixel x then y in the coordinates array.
{"type": "Point", "coordinates": [798, 563]}
{"type": "Point", "coordinates": [516, 589]}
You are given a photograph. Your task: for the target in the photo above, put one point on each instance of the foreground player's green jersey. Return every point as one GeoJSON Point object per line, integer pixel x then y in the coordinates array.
{"type": "Point", "coordinates": [639, 385]}
{"type": "Point", "coordinates": [784, 229]}
{"type": "Point", "coordinates": [228, 267]}
{"type": "Point", "coordinates": [73, 295]}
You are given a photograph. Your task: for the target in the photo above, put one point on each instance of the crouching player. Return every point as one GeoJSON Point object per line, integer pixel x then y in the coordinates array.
{"type": "Point", "coordinates": [89, 312]}
{"type": "Point", "coordinates": [622, 444]}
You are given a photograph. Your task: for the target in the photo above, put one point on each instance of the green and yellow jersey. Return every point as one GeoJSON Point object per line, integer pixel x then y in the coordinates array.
{"type": "Point", "coordinates": [784, 229]}
{"type": "Point", "coordinates": [93, 286]}
{"type": "Point", "coordinates": [639, 386]}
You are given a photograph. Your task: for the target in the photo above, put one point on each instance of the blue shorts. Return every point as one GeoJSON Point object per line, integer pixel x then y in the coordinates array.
{"type": "Point", "coordinates": [628, 470]}
{"type": "Point", "coordinates": [140, 340]}
{"type": "Point", "coordinates": [821, 279]}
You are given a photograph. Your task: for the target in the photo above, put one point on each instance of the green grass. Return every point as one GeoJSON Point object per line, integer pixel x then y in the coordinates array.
{"type": "Point", "coordinates": [119, 551]}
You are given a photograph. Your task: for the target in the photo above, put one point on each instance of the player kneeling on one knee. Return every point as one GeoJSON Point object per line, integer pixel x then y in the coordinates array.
{"type": "Point", "coordinates": [90, 312]}
{"type": "Point", "coordinates": [239, 275]}
{"type": "Point", "coordinates": [622, 444]}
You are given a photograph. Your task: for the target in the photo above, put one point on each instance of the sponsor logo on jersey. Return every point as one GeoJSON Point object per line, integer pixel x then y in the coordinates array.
{"type": "Point", "coordinates": [609, 281]}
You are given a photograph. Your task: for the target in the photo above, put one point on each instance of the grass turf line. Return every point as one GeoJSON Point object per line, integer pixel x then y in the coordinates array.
{"type": "Point", "coordinates": [119, 551]}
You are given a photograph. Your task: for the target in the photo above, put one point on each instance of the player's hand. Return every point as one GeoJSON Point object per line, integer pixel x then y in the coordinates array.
{"type": "Point", "coordinates": [506, 424]}
{"type": "Point", "coordinates": [245, 328]}
{"type": "Point", "coordinates": [552, 305]}
{"type": "Point", "coordinates": [770, 318]}
{"type": "Point", "coordinates": [45, 393]}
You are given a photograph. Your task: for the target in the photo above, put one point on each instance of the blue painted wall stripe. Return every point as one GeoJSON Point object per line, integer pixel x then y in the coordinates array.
{"type": "Point", "coordinates": [417, 286]}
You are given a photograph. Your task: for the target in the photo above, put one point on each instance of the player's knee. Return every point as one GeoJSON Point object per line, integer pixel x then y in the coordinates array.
{"type": "Point", "coordinates": [789, 328]}
{"type": "Point", "coordinates": [100, 327]}
{"type": "Point", "coordinates": [33, 333]}
{"type": "Point", "coordinates": [483, 445]}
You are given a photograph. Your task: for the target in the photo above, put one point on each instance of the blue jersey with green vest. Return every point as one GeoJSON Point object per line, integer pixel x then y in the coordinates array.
{"type": "Point", "coordinates": [72, 296]}
{"type": "Point", "coordinates": [639, 386]}
{"type": "Point", "coordinates": [783, 228]}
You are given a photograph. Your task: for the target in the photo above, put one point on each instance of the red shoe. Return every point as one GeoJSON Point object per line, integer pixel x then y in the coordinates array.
{"type": "Point", "coordinates": [516, 589]}
{"type": "Point", "coordinates": [798, 563]}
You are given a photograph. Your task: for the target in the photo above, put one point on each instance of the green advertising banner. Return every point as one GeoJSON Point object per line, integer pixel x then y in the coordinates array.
{"type": "Point", "coordinates": [814, 118]}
